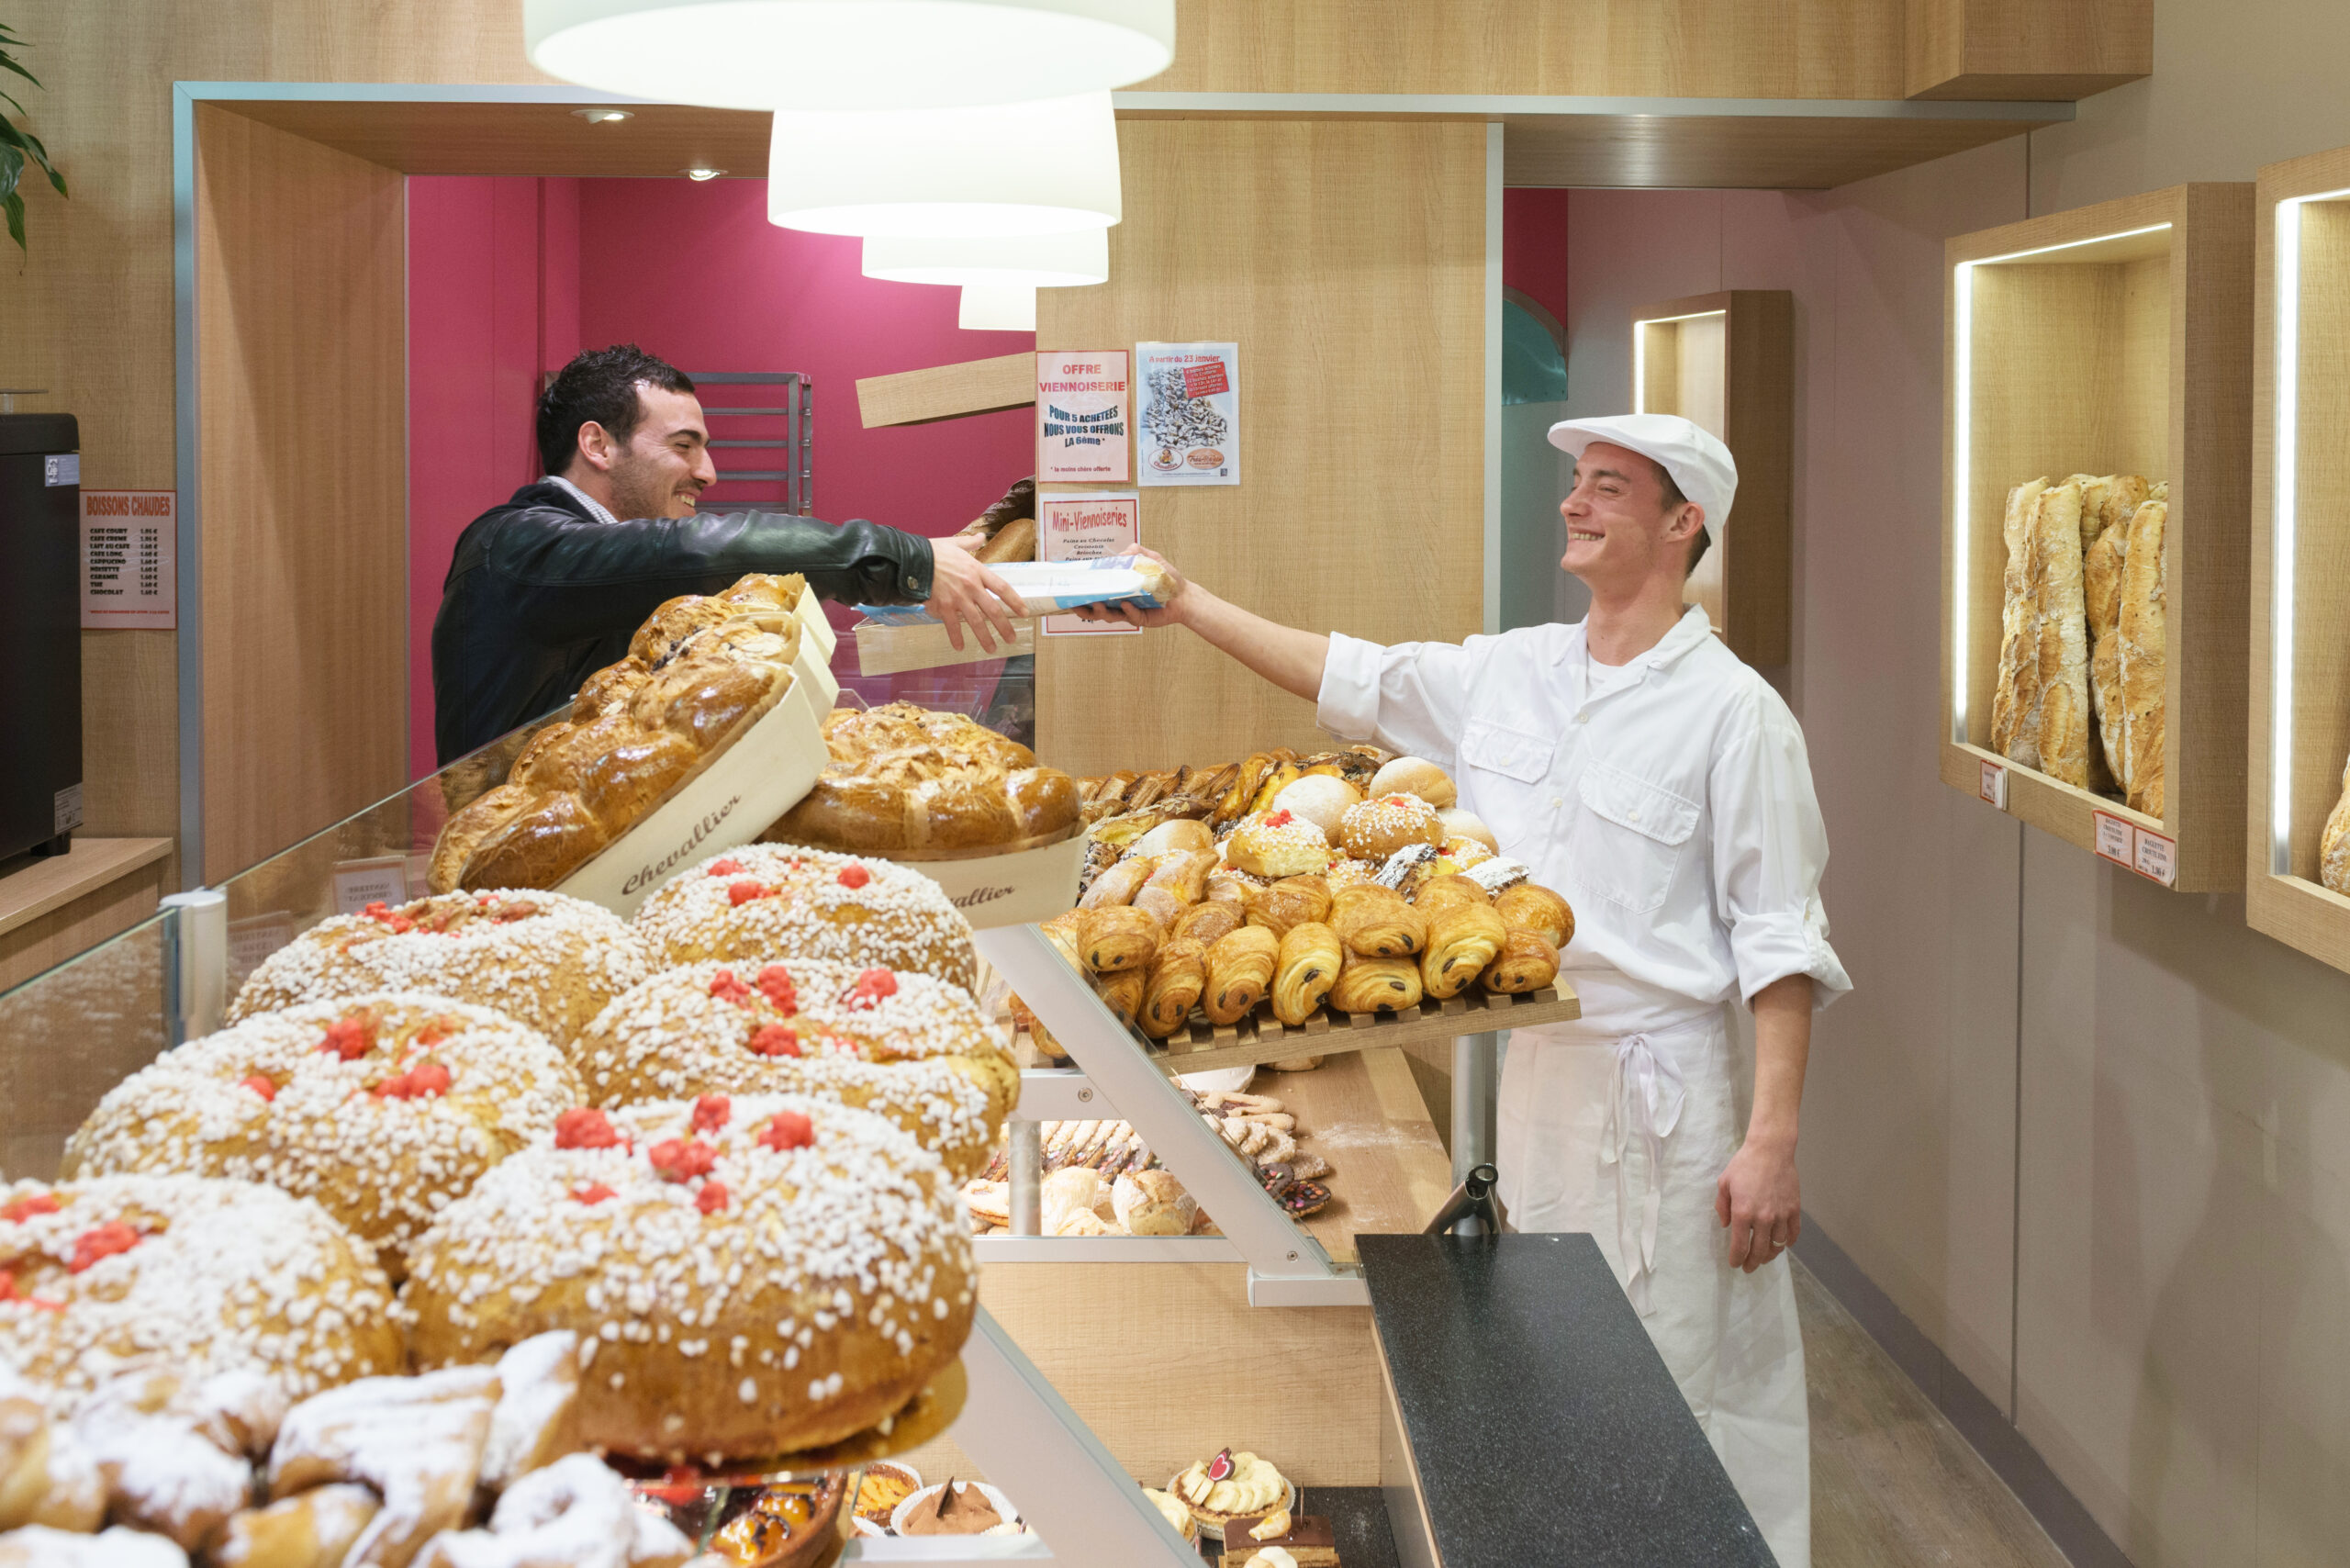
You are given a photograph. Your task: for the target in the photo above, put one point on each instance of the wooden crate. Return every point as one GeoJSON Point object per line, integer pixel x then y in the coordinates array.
{"type": "Point", "coordinates": [2113, 339]}
{"type": "Point", "coordinates": [2299, 722]}
{"type": "Point", "coordinates": [1727, 362]}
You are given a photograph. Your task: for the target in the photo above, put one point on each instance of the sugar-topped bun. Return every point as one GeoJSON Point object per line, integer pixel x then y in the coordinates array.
{"type": "Point", "coordinates": [766, 900]}
{"type": "Point", "coordinates": [1385, 823]}
{"type": "Point", "coordinates": [544, 959]}
{"type": "Point", "coordinates": [907, 1046]}
{"type": "Point", "coordinates": [753, 1274]}
{"type": "Point", "coordinates": [1320, 797]}
{"type": "Point", "coordinates": [1414, 775]}
{"type": "Point", "coordinates": [1277, 845]}
{"type": "Point", "coordinates": [382, 1107]}
{"type": "Point", "coordinates": [1460, 824]}
{"type": "Point", "coordinates": [205, 1275]}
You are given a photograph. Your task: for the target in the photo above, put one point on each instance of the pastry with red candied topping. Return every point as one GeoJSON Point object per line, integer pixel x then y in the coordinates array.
{"type": "Point", "coordinates": [907, 1046]}
{"type": "Point", "coordinates": [544, 959]}
{"type": "Point", "coordinates": [768, 901]}
{"type": "Point", "coordinates": [382, 1107]}
{"type": "Point", "coordinates": [100, 1275]}
{"type": "Point", "coordinates": [748, 1275]}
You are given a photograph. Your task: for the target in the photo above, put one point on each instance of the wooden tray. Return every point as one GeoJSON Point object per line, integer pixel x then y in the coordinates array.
{"type": "Point", "coordinates": [1261, 1037]}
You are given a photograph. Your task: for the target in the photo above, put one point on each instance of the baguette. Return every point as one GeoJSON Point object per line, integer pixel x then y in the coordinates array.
{"type": "Point", "coordinates": [2333, 848]}
{"type": "Point", "coordinates": [2143, 647]}
{"type": "Point", "coordinates": [2064, 638]}
{"type": "Point", "coordinates": [2101, 585]}
{"type": "Point", "coordinates": [2015, 726]}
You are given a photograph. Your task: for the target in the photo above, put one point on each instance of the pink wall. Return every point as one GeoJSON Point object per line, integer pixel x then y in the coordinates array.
{"type": "Point", "coordinates": [512, 276]}
{"type": "Point", "coordinates": [1534, 246]}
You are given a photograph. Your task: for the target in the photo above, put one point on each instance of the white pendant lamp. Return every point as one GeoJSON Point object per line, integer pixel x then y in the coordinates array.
{"type": "Point", "coordinates": [1020, 260]}
{"type": "Point", "coordinates": [841, 54]}
{"type": "Point", "coordinates": [993, 307]}
{"type": "Point", "coordinates": [1046, 167]}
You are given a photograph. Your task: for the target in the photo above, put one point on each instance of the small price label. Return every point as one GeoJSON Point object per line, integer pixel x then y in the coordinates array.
{"type": "Point", "coordinates": [2157, 858]}
{"type": "Point", "coordinates": [1994, 786]}
{"type": "Point", "coordinates": [381, 878]}
{"type": "Point", "coordinates": [2116, 840]}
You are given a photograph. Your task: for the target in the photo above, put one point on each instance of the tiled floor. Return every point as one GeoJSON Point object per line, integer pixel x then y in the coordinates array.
{"type": "Point", "coordinates": [1892, 1482]}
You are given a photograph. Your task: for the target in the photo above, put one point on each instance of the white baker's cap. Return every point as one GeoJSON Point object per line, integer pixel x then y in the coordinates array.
{"type": "Point", "coordinates": [1698, 463]}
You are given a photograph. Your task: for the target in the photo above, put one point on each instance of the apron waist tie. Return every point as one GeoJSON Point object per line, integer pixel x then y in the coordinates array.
{"type": "Point", "coordinates": [1647, 1101]}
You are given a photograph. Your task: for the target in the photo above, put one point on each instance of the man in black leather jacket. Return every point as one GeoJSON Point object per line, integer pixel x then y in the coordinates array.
{"type": "Point", "coordinates": [550, 587]}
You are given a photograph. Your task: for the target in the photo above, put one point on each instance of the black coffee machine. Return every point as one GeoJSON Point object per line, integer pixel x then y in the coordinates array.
{"type": "Point", "coordinates": [40, 634]}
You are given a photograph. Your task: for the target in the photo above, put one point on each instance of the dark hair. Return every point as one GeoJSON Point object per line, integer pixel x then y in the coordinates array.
{"type": "Point", "coordinates": [599, 384]}
{"type": "Point", "coordinates": [1673, 500]}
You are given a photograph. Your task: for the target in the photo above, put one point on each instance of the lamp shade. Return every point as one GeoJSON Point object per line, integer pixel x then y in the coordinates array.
{"type": "Point", "coordinates": [840, 54]}
{"type": "Point", "coordinates": [1020, 260]}
{"type": "Point", "coordinates": [1046, 167]}
{"type": "Point", "coordinates": [996, 308]}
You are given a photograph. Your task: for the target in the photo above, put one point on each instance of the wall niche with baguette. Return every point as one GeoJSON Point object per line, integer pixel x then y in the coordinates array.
{"type": "Point", "coordinates": [2096, 462]}
{"type": "Point", "coordinates": [1725, 362]}
{"type": "Point", "coordinates": [2297, 881]}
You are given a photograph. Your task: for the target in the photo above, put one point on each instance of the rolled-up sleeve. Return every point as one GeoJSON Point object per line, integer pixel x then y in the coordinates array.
{"type": "Point", "coordinates": [1409, 697]}
{"type": "Point", "coordinates": [1770, 850]}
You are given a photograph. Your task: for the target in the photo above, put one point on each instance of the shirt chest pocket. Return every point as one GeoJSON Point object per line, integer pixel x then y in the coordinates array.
{"type": "Point", "coordinates": [1519, 754]}
{"type": "Point", "coordinates": [1630, 837]}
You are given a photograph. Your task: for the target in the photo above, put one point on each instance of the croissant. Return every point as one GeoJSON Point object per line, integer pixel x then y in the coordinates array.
{"type": "Point", "coordinates": [1445, 890]}
{"type": "Point", "coordinates": [1178, 975]}
{"type": "Point", "coordinates": [1376, 985]}
{"type": "Point", "coordinates": [1184, 873]}
{"type": "Point", "coordinates": [1121, 992]}
{"type": "Point", "coordinates": [1290, 902]}
{"type": "Point", "coordinates": [1526, 907]}
{"type": "Point", "coordinates": [1527, 962]}
{"type": "Point", "coordinates": [1160, 906]}
{"type": "Point", "coordinates": [1240, 970]}
{"type": "Point", "coordinates": [1118, 938]}
{"type": "Point", "coordinates": [1119, 884]}
{"type": "Point", "coordinates": [1464, 939]}
{"type": "Point", "coordinates": [1376, 923]}
{"type": "Point", "coordinates": [1305, 971]}
{"type": "Point", "coordinates": [1208, 922]}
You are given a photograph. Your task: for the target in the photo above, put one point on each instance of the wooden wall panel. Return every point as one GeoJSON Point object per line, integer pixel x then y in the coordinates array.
{"type": "Point", "coordinates": [301, 338]}
{"type": "Point", "coordinates": [2025, 49]}
{"type": "Point", "coordinates": [1347, 259]}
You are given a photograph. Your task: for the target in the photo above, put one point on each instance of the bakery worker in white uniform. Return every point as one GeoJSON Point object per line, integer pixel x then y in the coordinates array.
{"type": "Point", "coordinates": [1638, 768]}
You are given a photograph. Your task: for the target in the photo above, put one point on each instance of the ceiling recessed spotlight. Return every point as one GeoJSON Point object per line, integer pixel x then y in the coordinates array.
{"type": "Point", "coordinates": [603, 116]}
{"type": "Point", "coordinates": [703, 173]}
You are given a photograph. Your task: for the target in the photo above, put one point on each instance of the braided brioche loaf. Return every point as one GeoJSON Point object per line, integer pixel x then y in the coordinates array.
{"type": "Point", "coordinates": [697, 674]}
{"type": "Point", "coordinates": [903, 777]}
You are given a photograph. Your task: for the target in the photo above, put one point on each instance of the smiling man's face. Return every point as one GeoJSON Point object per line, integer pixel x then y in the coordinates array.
{"type": "Point", "coordinates": [1623, 525]}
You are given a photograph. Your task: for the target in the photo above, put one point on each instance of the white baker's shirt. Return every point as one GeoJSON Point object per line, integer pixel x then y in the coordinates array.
{"type": "Point", "coordinates": [1668, 800]}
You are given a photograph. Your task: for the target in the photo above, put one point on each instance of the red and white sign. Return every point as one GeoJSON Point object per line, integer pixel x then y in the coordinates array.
{"type": "Point", "coordinates": [129, 549]}
{"type": "Point", "coordinates": [1091, 527]}
{"type": "Point", "coordinates": [2139, 849]}
{"type": "Point", "coordinates": [1084, 417]}
{"type": "Point", "coordinates": [2117, 839]}
{"type": "Point", "coordinates": [1993, 786]}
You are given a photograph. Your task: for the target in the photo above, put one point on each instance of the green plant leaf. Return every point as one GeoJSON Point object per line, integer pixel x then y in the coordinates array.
{"type": "Point", "coordinates": [6, 63]}
{"type": "Point", "coordinates": [15, 207]}
{"type": "Point", "coordinates": [12, 169]}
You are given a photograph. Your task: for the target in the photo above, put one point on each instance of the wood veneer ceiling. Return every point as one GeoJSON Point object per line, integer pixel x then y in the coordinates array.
{"type": "Point", "coordinates": [664, 139]}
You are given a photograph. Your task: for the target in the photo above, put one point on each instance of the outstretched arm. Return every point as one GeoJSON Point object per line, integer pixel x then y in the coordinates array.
{"type": "Point", "coordinates": [1288, 658]}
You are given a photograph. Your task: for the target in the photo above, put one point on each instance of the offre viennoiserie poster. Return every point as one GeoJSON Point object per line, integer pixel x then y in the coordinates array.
{"type": "Point", "coordinates": [1084, 424]}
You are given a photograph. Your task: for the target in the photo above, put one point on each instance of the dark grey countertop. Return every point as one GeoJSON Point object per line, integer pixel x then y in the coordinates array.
{"type": "Point", "coordinates": [1543, 1424]}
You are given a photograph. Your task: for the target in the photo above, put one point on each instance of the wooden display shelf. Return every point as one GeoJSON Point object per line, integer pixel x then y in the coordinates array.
{"type": "Point", "coordinates": [2300, 729]}
{"type": "Point", "coordinates": [1364, 1113]}
{"type": "Point", "coordinates": [1725, 362]}
{"type": "Point", "coordinates": [1261, 1038]}
{"type": "Point", "coordinates": [2113, 339]}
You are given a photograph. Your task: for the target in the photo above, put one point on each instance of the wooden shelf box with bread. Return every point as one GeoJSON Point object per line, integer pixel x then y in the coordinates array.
{"type": "Point", "coordinates": [2096, 465]}
{"type": "Point", "coordinates": [2297, 872]}
{"type": "Point", "coordinates": [1727, 361]}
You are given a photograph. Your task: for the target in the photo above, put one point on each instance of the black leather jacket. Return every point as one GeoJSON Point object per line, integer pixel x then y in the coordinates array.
{"type": "Point", "coordinates": [541, 595]}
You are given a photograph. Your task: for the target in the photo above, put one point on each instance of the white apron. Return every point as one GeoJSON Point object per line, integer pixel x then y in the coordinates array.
{"type": "Point", "coordinates": [1625, 1135]}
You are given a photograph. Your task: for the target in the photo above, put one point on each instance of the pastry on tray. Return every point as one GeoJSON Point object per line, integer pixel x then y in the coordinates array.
{"type": "Point", "coordinates": [543, 960]}
{"type": "Point", "coordinates": [903, 780]}
{"type": "Point", "coordinates": [885, 1484]}
{"type": "Point", "coordinates": [382, 1108]}
{"type": "Point", "coordinates": [1230, 1486]}
{"type": "Point", "coordinates": [782, 1525]}
{"type": "Point", "coordinates": [1309, 1541]}
{"type": "Point", "coordinates": [765, 901]}
{"type": "Point", "coordinates": [700, 673]}
{"type": "Point", "coordinates": [907, 1046]}
{"type": "Point", "coordinates": [752, 1276]}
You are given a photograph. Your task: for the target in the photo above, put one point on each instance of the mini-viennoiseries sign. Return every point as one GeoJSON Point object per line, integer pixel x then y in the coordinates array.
{"type": "Point", "coordinates": [1084, 417]}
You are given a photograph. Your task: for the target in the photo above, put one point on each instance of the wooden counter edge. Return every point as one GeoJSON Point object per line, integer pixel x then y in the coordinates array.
{"type": "Point", "coordinates": [42, 886]}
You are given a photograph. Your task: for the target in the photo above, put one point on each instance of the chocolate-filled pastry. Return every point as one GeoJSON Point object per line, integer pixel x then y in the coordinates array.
{"type": "Point", "coordinates": [1530, 907]}
{"type": "Point", "coordinates": [1376, 985]}
{"type": "Point", "coordinates": [1376, 923]}
{"type": "Point", "coordinates": [1464, 939]}
{"type": "Point", "coordinates": [1209, 922]}
{"type": "Point", "coordinates": [1118, 938]}
{"type": "Point", "coordinates": [1177, 976]}
{"type": "Point", "coordinates": [1293, 901]}
{"type": "Point", "coordinates": [1120, 883]}
{"type": "Point", "coordinates": [1122, 993]}
{"type": "Point", "coordinates": [1305, 971]}
{"type": "Point", "coordinates": [1240, 970]}
{"type": "Point", "coordinates": [1443, 892]}
{"type": "Point", "coordinates": [1527, 962]}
